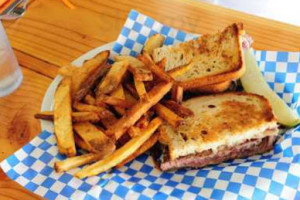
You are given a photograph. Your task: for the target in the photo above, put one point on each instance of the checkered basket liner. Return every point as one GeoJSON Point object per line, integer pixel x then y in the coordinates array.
{"type": "Point", "coordinates": [273, 175]}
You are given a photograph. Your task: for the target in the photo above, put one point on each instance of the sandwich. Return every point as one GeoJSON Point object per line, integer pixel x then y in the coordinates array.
{"type": "Point", "coordinates": [216, 59]}
{"type": "Point", "coordinates": [224, 126]}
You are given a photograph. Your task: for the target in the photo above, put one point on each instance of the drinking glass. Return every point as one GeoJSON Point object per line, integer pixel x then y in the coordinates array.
{"type": "Point", "coordinates": [10, 73]}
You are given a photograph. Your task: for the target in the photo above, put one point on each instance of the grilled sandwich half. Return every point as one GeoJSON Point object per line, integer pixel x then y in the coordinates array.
{"type": "Point", "coordinates": [224, 126]}
{"type": "Point", "coordinates": [216, 58]}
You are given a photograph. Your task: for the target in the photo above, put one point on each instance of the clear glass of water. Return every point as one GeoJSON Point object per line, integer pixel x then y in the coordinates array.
{"type": "Point", "coordinates": [10, 72]}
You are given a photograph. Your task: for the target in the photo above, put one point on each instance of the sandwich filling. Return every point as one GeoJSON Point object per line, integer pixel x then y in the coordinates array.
{"type": "Point", "coordinates": [208, 157]}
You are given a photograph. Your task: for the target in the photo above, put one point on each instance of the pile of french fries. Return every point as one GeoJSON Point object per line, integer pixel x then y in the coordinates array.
{"type": "Point", "coordinates": [113, 112]}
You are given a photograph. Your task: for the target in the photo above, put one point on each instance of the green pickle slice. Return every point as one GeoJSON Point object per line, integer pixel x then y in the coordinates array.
{"type": "Point", "coordinates": [254, 82]}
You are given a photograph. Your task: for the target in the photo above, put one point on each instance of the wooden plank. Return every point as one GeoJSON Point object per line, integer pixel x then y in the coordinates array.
{"type": "Point", "coordinates": [60, 35]}
{"type": "Point", "coordinates": [36, 64]}
{"type": "Point", "coordinates": [18, 126]}
{"type": "Point", "coordinates": [17, 123]}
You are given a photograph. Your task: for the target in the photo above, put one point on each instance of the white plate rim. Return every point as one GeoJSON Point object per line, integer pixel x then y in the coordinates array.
{"type": "Point", "coordinates": [48, 100]}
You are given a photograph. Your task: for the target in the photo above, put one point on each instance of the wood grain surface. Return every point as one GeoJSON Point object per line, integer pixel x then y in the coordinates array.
{"type": "Point", "coordinates": [50, 35]}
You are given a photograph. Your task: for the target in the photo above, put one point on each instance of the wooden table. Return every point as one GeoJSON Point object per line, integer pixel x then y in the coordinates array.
{"type": "Point", "coordinates": [51, 35]}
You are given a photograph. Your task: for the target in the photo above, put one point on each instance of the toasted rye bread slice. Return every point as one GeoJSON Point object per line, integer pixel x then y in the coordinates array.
{"type": "Point", "coordinates": [219, 120]}
{"type": "Point", "coordinates": [216, 58]}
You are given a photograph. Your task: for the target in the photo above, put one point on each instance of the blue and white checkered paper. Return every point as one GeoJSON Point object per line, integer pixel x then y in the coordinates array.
{"type": "Point", "coordinates": [274, 175]}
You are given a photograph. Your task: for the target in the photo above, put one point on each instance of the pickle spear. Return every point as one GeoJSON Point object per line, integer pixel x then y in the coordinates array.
{"type": "Point", "coordinates": [254, 82]}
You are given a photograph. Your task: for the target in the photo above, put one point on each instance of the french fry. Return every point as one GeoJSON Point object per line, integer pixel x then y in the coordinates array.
{"type": "Point", "coordinates": [85, 117]}
{"type": "Point", "coordinates": [109, 122]}
{"type": "Point", "coordinates": [135, 113]}
{"type": "Point", "coordinates": [89, 99]}
{"type": "Point", "coordinates": [86, 75]}
{"type": "Point", "coordinates": [82, 144]}
{"type": "Point", "coordinates": [106, 117]}
{"type": "Point", "coordinates": [100, 127]}
{"type": "Point", "coordinates": [76, 116]}
{"type": "Point", "coordinates": [101, 111]}
{"type": "Point", "coordinates": [178, 109]}
{"type": "Point", "coordinates": [113, 101]}
{"type": "Point", "coordinates": [67, 70]}
{"type": "Point", "coordinates": [113, 78]}
{"type": "Point", "coordinates": [174, 73]}
{"type": "Point", "coordinates": [140, 88]}
{"type": "Point", "coordinates": [63, 118]}
{"type": "Point", "coordinates": [119, 93]}
{"type": "Point", "coordinates": [123, 140]}
{"type": "Point", "coordinates": [137, 68]}
{"type": "Point", "coordinates": [162, 63]}
{"type": "Point", "coordinates": [177, 93]}
{"type": "Point", "coordinates": [131, 89]}
{"type": "Point", "coordinates": [168, 115]}
{"type": "Point", "coordinates": [129, 97]}
{"type": "Point", "coordinates": [144, 120]}
{"type": "Point", "coordinates": [134, 131]}
{"type": "Point", "coordinates": [70, 163]}
{"type": "Point", "coordinates": [92, 136]}
{"type": "Point", "coordinates": [147, 60]}
{"type": "Point", "coordinates": [45, 115]}
{"type": "Point", "coordinates": [120, 154]}
{"type": "Point", "coordinates": [155, 41]}
{"type": "Point", "coordinates": [145, 147]}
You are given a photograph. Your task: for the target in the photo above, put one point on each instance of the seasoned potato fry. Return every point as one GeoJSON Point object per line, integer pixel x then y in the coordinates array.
{"type": "Point", "coordinates": [143, 121]}
{"type": "Point", "coordinates": [168, 115]}
{"type": "Point", "coordinates": [147, 60]}
{"type": "Point", "coordinates": [101, 111]}
{"type": "Point", "coordinates": [177, 93]}
{"type": "Point", "coordinates": [134, 131]}
{"type": "Point", "coordinates": [70, 163]}
{"type": "Point", "coordinates": [92, 136]}
{"type": "Point", "coordinates": [178, 109]}
{"type": "Point", "coordinates": [140, 88]}
{"type": "Point", "coordinates": [137, 68]}
{"type": "Point", "coordinates": [119, 93]}
{"type": "Point", "coordinates": [106, 117]}
{"type": "Point", "coordinates": [113, 78]}
{"type": "Point", "coordinates": [67, 70]}
{"type": "Point", "coordinates": [113, 101]}
{"type": "Point", "coordinates": [180, 70]}
{"type": "Point", "coordinates": [63, 118]}
{"type": "Point", "coordinates": [76, 116]}
{"type": "Point", "coordinates": [85, 117]}
{"type": "Point", "coordinates": [45, 115]}
{"type": "Point", "coordinates": [82, 144]}
{"type": "Point", "coordinates": [155, 41]}
{"type": "Point", "coordinates": [145, 147]}
{"type": "Point", "coordinates": [86, 75]}
{"type": "Point", "coordinates": [120, 154]}
{"type": "Point", "coordinates": [132, 91]}
{"type": "Point", "coordinates": [129, 97]}
{"type": "Point", "coordinates": [89, 99]}
{"type": "Point", "coordinates": [135, 113]}
{"type": "Point", "coordinates": [161, 64]}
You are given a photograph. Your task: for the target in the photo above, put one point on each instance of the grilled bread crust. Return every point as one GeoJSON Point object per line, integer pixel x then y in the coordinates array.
{"type": "Point", "coordinates": [213, 88]}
